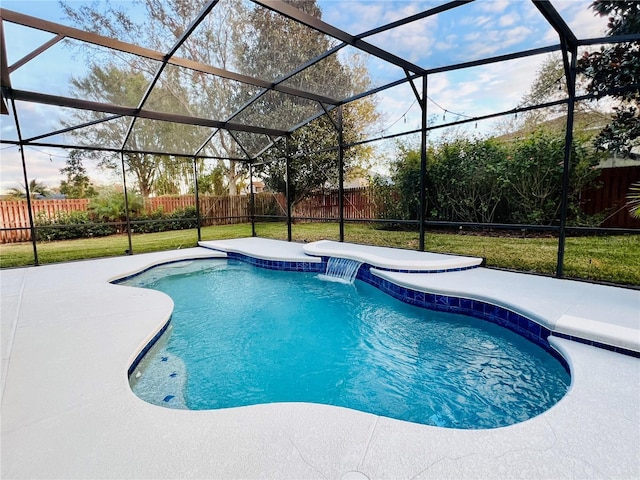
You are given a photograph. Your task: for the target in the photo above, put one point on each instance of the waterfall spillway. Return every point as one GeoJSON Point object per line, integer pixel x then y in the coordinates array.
{"type": "Point", "coordinates": [341, 270]}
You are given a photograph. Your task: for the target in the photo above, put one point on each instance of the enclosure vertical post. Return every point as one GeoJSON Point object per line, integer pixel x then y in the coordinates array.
{"type": "Point", "coordinates": [197, 195]}
{"type": "Point", "coordinates": [423, 163]}
{"type": "Point", "coordinates": [252, 205]}
{"type": "Point", "coordinates": [27, 192]}
{"type": "Point", "coordinates": [341, 172]}
{"type": "Point", "coordinates": [288, 185]}
{"type": "Point", "coordinates": [570, 74]}
{"type": "Point", "coordinates": [126, 204]}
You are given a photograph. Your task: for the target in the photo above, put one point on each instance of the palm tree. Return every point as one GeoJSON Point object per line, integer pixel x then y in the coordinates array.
{"type": "Point", "coordinates": [633, 200]}
{"type": "Point", "coordinates": [36, 190]}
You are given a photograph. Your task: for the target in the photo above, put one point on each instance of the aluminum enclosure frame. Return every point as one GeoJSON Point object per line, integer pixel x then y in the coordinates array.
{"type": "Point", "coordinates": [567, 45]}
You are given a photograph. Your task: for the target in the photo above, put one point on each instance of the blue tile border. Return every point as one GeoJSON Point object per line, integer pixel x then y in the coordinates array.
{"type": "Point", "coordinates": [611, 348]}
{"type": "Point", "coordinates": [120, 280]}
{"type": "Point", "coordinates": [313, 267]}
{"type": "Point", "coordinates": [147, 347]}
{"type": "Point", "coordinates": [444, 270]}
{"type": "Point", "coordinates": [466, 306]}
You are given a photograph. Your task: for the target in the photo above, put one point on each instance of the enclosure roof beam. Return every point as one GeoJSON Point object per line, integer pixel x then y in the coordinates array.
{"type": "Point", "coordinates": [299, 16]}
{"type": "Point", "coordinates": [557, 22]}
{"type": "Point", "coordinates": [27, 58]}
{"type": "Point", "coordinates": [413, 18]}
{"type": "Point", "coordinates": [276, 84]}
{"type": "Point", "coordinates": [74, 127]}
{"type": "Point", "coordinates": [99, 40]}
{"type": "Point", "coordinates": [5, 79]}
{"type": "Point", "coordinates": [631, 37]}
{"type": "Point", "coordinates": [333, 122]}
{"type": "Point", "coordinates": [494, 115]}
{"type": "Point", "coordinates": [268, 147]}
{"type": "Point", "coordinates": [458, 66]}
{"type": "Point", "coordinates": [183, 38]}
{"type": "Point", "coordinates": [335, 49]}
{"type": "Point", "coordinates": [249, 159]}
{"type": "Point", "coordinates": [117, 150]}
{"type": "Point", "coordinates": [131, 111]}
{"type": "Point", "coordinates": [496, 59]}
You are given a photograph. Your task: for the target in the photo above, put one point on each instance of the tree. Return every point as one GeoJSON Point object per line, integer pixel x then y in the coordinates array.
{"type": "Point", "coordinates": [311, 172]}
{"type": "Point", "coordinates": [179, 90]}
{"type": "Point", "coordinates": [211, 182]}
{"type": "Point", "coordinates": [124, 86]}
{"type": "Point", "coordinates": [270, 45]}
{"type": "Point", "coordinates": [36, 190]}
{"type": "Point", "coordinates": [239, 37]}
{"type": "Point", "coordinates": [617, 67]}
{"type": "Point", "coordinates": [77, 184]}
{"type": "Point", "coordinates": [550, 84]}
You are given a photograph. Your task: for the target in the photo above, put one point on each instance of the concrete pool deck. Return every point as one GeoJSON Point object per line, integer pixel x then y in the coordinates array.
{"type": "Point", "coordinates": [69, 337]}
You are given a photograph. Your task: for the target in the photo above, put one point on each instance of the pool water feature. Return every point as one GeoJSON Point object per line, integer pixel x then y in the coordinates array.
{"type": "Point", "coordinates": [241, 335]}
{"type": "Point", "coordinates": [342, 270]}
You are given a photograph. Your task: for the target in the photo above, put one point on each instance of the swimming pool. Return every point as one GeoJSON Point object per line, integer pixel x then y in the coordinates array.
{"type": "Point", "coordinates": [360, 349]}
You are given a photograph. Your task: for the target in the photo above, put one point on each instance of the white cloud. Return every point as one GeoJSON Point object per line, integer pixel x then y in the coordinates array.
{"type": "Point", "coordinates": [412, 41]}
{"type": "Point", "coordinates": [353, 17]}
{"type": "Point", "coordinates": [406, 10]}
{"type": "Point", "coordinates": [508, 20]}
{"type": "Point", "coordinates": [551, 37]}
{"type": "Point", "coordinates": [581, 19]}
{"type": "Point", "coordinates": [475, 21]}
{"type": "Point", "coordinates": [39, 167]}
{"type": "Point", "coordinates": [471, 92]}
{"type": "Point", "coordinates": [494, 6]}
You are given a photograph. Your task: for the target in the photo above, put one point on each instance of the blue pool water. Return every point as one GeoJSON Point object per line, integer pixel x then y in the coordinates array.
{"type": "Point", "coordinates": [241, 335]}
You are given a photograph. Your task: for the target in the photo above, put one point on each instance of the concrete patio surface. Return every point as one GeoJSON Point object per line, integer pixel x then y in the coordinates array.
{"type": "Point", "coordinates": [69, 337]}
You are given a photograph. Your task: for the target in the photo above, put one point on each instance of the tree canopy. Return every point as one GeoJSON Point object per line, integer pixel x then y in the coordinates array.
{"type": "Point", "coordinates": [36, 190]}
{"type": "Point", "coordinates": [243, 38]}
{"type": "Point", "coordinates": [617, 67]}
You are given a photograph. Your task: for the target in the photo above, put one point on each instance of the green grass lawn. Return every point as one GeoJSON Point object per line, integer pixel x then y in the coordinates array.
{"type": "Point", "coordinates": [605, 258]}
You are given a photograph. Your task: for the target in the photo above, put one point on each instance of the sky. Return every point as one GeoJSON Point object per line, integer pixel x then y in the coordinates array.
{"type": "Point", "coordinates": [477, 30]}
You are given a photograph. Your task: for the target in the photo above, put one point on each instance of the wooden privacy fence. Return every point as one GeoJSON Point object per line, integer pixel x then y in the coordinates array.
{"type": "Point", "coordinates": [14, 214]}
{"type": "Point", "coordinates": [609, 196]}
{"type": "Point", "coordinates": [358, 204]}
{"type": "Point", "coordinates": [214, 210]}
{"type": "Point", "coordinates": [169, 204]}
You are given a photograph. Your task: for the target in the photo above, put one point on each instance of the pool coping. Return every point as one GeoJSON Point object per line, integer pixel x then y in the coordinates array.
{"type": "Point", "coordinates": [67, 409]}
{"type": "Point", "coordinates": [385, 258]}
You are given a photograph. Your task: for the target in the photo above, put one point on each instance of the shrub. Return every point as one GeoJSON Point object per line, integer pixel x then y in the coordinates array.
{"type": "Point", "coordinates": [69, 225]}
{"type": "Point", "coordinates": [109, 206]}
{"type": "Point", "coordinates": [157, 221]}
{"type": "Point", "coordinates": [467, 181]}
{"type": "Point", "coordinates": [486, 181]}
